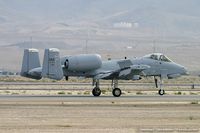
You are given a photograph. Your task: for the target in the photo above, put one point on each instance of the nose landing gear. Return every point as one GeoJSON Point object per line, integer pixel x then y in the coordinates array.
{"type": "Point", "coordinates": [161, 91]}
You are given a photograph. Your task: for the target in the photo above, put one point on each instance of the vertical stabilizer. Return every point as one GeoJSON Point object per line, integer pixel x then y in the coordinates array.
{"type": "Point", "coordinates": [52, 64]}
{"type": "Point", "coordinates": [30, 61]}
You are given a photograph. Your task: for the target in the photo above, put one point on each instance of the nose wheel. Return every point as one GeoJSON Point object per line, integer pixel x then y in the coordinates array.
{"type": "Point", "coordinates": [161, 92]}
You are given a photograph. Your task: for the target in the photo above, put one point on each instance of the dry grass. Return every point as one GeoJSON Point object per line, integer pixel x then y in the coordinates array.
{"type": "Point", "coordinates": [183, 79]}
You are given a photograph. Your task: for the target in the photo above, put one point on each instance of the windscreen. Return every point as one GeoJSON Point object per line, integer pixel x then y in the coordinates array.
{"type": "Point", "coordinates": [159, 57]}
{"type": "Point", "coordinates": [165, 58]}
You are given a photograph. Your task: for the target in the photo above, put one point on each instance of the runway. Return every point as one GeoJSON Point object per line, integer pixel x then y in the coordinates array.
{"type": "Point", "coordinates": [101, 99]}
{"type": "Point", "coordinates": [88, 114]}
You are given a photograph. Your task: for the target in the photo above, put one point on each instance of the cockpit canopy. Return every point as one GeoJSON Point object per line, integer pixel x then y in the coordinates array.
{"type": "Point", "coordinates": [159, 57]}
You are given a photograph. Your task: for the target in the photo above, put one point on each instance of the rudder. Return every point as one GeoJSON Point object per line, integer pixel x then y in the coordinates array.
{"type": "Point", "coordinates": [52, 64]}
{"type": "Point", "coordinates": [30, 61]}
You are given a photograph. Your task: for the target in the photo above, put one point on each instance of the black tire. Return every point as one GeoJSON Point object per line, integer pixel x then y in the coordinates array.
{"type": "Point", "coordinates": [116, 92]}
{"type": "Point", "coordinates": [96, 92]}
{"type": "Point", "coordinates": [161, 92]}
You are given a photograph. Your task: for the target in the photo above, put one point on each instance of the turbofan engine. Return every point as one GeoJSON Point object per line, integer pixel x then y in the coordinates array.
{"type": "Point", "coordinates": [83, 63]}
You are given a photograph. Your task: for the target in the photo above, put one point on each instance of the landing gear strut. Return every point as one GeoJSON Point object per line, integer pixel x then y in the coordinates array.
{"type": "Point", "coordinates": [161, 91]}
{"type": "Point", "coordinates": [116, 91]}
{"type": "Point", "coordinates": [96, 91]}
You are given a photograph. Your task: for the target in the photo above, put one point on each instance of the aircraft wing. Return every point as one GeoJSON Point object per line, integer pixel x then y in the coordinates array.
{"type": "Point", "coordinates": [103, 75]}
{"type": "Point", "coordinates": [124, 73]}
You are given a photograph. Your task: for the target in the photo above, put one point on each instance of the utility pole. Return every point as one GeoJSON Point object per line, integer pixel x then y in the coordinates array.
{"type": "Point", "coordinates": [31, 42]}
{"type": "Point", "coordinates": [86, 46]}
{"type": "Point", "coordinates": [154, 46]}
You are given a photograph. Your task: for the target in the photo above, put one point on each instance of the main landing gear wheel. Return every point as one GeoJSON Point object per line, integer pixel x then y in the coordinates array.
{"type": "Point", "coordinates": [161, 92]}
{"type": "Point", "coordinates": [96, 92]}
{"type": "Point", "coordinates": [117, 92]}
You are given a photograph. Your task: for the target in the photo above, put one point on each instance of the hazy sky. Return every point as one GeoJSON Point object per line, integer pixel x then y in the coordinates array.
{"type": "Point", "coordinates": [69, 22]}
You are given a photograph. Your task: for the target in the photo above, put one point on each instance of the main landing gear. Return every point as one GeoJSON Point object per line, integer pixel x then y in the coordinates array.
{"type": "Point", "coordinates": [96, 91]}
{"type": "Point", "coordinates": [115, 90]}
{"type": "Point", "coordinates": [161, 91]}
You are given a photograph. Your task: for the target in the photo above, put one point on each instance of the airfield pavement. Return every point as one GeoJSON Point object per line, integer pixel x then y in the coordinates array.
{"type": "Point", "coordinates": [46, 107]}
{"type": "Point", "coordinates": [106, 114]}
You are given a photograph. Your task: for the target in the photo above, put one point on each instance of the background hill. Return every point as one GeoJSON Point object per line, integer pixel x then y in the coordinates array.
{"type": "Point", "coordinates": [180, 17]}
{"type": "Point", "coordinates": [172, 27]}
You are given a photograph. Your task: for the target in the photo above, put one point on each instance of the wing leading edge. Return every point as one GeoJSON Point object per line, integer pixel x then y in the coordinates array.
{"type": "Point", "coordinates": [128, 73]}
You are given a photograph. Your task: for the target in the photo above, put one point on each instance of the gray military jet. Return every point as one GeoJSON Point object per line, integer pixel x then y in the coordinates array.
{"type": "Point", "coordinates": [92, 66]}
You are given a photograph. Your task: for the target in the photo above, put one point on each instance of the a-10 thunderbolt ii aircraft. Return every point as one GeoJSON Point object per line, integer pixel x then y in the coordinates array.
{"type": "Point", "coordinates": [92, 66]}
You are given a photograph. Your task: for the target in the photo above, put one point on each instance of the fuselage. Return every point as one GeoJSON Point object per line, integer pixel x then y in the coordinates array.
{"type": "Point", "coordinates": [157, 67]}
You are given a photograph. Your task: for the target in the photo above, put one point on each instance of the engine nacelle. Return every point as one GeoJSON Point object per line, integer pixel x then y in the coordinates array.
{"type": "Point", "coordinates": [83, 63]}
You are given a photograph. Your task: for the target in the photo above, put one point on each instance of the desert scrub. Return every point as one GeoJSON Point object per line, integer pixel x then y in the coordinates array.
{"type": "Point", "coordinates": [15, 93]}
{"type": "Point", "coordinates": [194, 102]}
{"type": "Point", "coordinates": [79, 93]}
{"type": "Point", "coordinates": [192, 93]}
{"type": "Point", "coordinates": [139, 93]}
{"type": "Point", "coordinates": [191, 118]}
{"type": "Point", "coordinates": [7, 92]}
{"type": "Point", "coordinates": [104, 91]}
{"type": "Point", "coordinates": [86, 93]}
{"type": "Point", "coordinates": [61, 93]}
{"type": "Point", "coordinates": [178, 93]}
{"type": "Point", "coordinates": [69, 93]}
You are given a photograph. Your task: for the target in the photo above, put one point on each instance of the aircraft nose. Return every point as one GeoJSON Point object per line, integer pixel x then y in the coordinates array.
{"type": "Point", "coordinates": [185, 71]}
